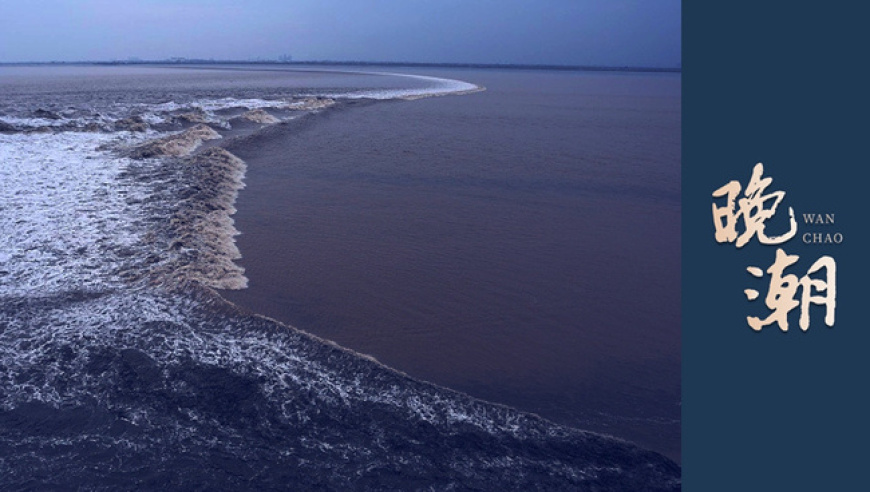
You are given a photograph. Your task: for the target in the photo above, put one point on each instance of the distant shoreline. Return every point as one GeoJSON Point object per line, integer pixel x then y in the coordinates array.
{"type": "Point", "coordinates": [513, 66]}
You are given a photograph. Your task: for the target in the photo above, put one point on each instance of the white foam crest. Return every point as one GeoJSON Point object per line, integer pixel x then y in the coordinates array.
{"type": "Point", "coordinates": [31, 123]}
{"type": "Point", "coordinates": [62, 212]}
{"type": "Point", "coordinates": [154, 119]}
{"type": "Point", "coordinates": [439, 87]}
{"type": "Point", "coordinates": [218, 104]}
{"type": "Point", "coordinates": [229, 102]}
{"type": "Point", "coordinates": [204, 110]}
{"type": "Point", "coordinates": [167, 106]}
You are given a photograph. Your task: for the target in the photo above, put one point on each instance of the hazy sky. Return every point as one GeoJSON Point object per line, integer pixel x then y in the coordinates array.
{"type": "Point", "coordinates": [585, 32]}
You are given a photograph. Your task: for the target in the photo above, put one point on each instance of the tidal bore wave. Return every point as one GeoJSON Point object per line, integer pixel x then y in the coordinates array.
{"type": "Point", "coordinates": [121, 367]}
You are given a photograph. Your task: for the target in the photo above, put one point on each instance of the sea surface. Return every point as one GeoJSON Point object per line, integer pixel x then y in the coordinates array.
{"type": "Point", "coordinates": [520, 244]}
{"type": "Point", "coordinates": [250, 276]}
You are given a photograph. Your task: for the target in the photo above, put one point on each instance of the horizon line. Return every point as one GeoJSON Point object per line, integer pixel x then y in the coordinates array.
{"type": "Point", "coordinates": [211, 61]}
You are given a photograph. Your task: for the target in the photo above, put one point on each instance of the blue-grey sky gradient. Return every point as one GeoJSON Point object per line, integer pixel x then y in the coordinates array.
{"type": "Point", "coordinates": [571, 32]}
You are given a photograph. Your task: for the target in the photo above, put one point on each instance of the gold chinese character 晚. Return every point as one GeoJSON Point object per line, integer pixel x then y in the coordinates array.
{"type": "Point", "coordinates": [751, 208]}
{"type": "Point", "coordinates": [783, 289]}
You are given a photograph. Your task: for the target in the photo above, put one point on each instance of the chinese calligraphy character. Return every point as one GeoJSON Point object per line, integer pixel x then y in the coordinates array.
{"type": "Point", "coordinates": [752, 209]}
{"type": "Point", "coordinates": [783, 290]}
{"type": "Point", "coordinates": [829, 286]}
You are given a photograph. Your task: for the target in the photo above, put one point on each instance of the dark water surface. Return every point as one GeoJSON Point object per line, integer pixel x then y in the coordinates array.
{"type": "Point", "coordinates": [519, 244]}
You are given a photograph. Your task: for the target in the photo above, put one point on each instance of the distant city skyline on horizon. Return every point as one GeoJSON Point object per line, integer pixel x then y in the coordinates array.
{"type": "Point", "coordinates": [620, 33]}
